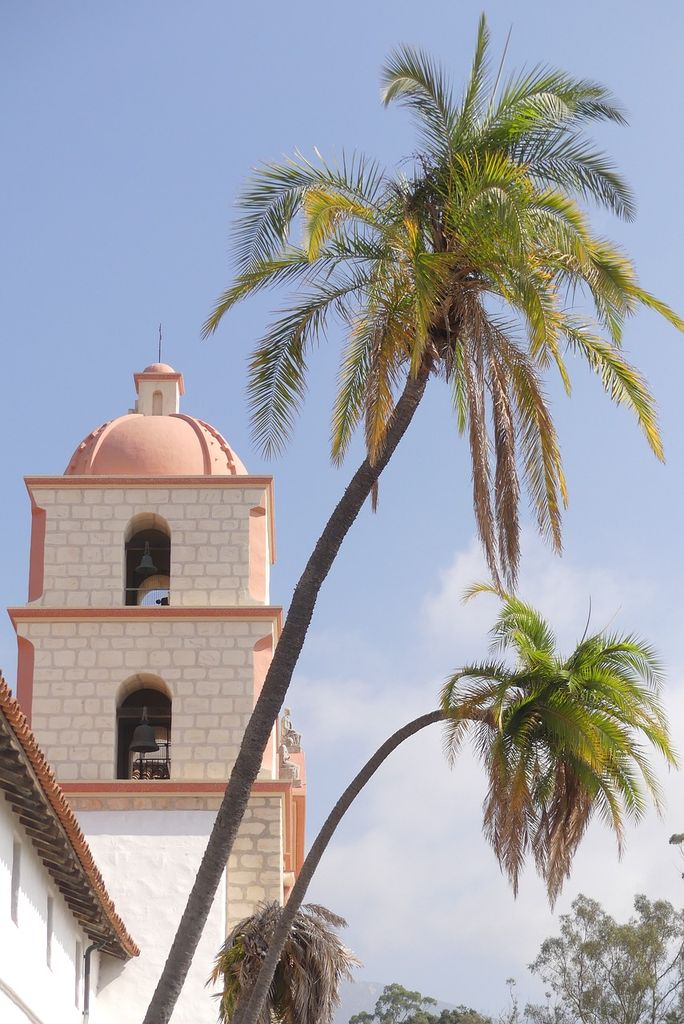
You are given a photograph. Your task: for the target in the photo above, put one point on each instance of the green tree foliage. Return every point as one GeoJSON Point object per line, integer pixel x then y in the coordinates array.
{"type": "Point", "coordinates": [462, 1015]}
{"type": "Point", "coordinates": [397, 1005]}
{"type": "Point", "coordinates": [602, 972]}
{"type": "Point", "coordinates": [561, 737]}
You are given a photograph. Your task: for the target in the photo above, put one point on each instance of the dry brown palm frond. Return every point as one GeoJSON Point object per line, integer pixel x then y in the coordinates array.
{"type": "Point", "coordinates": [479, 452]}
{"type": "Point", "coordinates": [506, 483]}
{"type": "Point", "coordinates": [305, 987]}
{"type": "Point", "coordinates": [569, 814]}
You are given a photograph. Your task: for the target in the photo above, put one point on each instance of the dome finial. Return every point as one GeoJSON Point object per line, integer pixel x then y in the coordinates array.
{"type": "Point", "coordinates": [159, 389]}
{"type": "Point", "coordinates": [159, 356]}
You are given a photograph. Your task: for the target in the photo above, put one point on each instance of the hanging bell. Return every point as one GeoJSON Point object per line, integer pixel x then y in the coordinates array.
{"type": "Point", "coordinates": [147, 566]}
{"type": "Point", "coordinates": [143, 741]}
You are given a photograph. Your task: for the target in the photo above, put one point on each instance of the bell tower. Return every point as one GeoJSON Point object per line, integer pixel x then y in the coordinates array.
{"type": "Point", "coordinates": [145, 640]}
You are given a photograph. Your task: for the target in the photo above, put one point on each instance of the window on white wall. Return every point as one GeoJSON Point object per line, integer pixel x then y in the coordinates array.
{"type": "Point", "coordinates": [49, 929]}
{"type": "Point", "coordinates": [16, 880]}
{"type": "Point", "coordinates": [78, 974]}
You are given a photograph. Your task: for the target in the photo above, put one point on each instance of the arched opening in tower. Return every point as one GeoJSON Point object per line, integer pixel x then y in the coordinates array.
{"type": "Point", "coordinates": [144, 707]}
{"type": "Point", "coordinates": [148, 567]}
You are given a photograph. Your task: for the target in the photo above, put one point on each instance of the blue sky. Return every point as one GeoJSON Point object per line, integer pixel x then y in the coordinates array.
{"type": "Point", "coordinates": [127, 130]}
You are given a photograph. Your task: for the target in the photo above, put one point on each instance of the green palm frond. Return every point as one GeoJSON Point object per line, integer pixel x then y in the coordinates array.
{"type": "Point", "coordinates": [567, 160]}
{"type": "Point", "coordinates": [546, 99]}
{"type": "Point", "coordinates": [560, 738]}
{"type": "Point", "coordinates": [274, 196]}
{"type": "Point", "coordinates": [277, 369]}
{"type": "Point", "coordinates": [651, 302]}
{"type": "Point", "coordinates": [478, 92]}
{"type": "Point", "coordinates": [326, 211]}
{"type": "Point", "coordinates": [350, 399]}
{"type": "Point", "coordinates": [412, 78]}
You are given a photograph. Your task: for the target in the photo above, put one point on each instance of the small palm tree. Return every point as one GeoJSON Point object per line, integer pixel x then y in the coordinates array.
{"type": "Point", "coordinates": [462, 265]}
{"type": "Point", "coordinates": [305, 986]}
{"type": "Point", "coordinates": [561, 738]}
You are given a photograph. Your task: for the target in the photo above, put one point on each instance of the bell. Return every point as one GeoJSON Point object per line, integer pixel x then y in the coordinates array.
{"type": "Point", "coordinates": [143, 741]}
{"type": "Point", "coordinates": [147, 566]}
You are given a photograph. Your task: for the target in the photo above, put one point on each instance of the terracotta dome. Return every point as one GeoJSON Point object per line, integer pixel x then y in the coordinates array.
{"type": "Point", "coordinates": [144, 443]}
{"type": "Point", "coordinates": [136, 445]}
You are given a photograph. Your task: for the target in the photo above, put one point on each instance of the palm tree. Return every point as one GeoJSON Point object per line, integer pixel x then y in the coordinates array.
{"type": "Point", "coordinates": [560, 739]}
{"type": "Point", "coordinates": [461, 266]}
{"type": "Point", "coordinates": [304, 988]}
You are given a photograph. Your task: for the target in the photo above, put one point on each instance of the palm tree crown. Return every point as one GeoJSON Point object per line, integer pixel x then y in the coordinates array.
{"type": "Point", "coordinates": [313, 962]}
{"type": "Point", "coordinates": [560, 737]}
{"type": "Point", "coordinates": [461, 266]}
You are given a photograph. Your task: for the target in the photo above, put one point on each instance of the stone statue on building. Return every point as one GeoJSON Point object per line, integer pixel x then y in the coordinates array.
{"type": "Point", "coordinates": [289, 736]}
{"type": "Point", "coordinates": [288, 769]}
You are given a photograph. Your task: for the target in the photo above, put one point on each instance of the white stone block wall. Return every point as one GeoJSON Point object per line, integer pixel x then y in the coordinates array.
{"type": "Point", "coordinates": [83, 669]}
{"type": "Point", "coordinates": [255, 869]}
{"type": "Point", "coordinates": [49, 992]}
{"type": "Point", "coordinates": [85, 530]}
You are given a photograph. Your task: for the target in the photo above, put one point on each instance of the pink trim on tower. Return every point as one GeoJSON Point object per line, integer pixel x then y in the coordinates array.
{"type": "Point", "coordinates": [159, 375]}
{"type": "Point", "coordinates": [25, 664]}
{"type": "Point", "coordinates": [37, 552]}
{"type": "Point", "coordinates": [273, 613]}
{"type": "Point", "coordinates": [257, 553]}
{"type": "Point", "coordinates": [197, 480]}
{"type": "Point", "coordinates": [260, 788]}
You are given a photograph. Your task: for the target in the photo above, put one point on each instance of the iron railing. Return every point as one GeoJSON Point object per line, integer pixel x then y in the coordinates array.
{"type": "Point", "coordinates": [144, 767]}
{"type": "Point", "coordinates": [151, 768]}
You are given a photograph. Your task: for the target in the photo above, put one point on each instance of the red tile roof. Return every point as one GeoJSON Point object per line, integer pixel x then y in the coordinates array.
{"type": "Point", "coordinates": [30, 787]}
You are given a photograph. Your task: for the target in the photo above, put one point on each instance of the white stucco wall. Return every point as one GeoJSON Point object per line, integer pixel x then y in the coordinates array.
{"type": "Point", "coordinates": [149, 861]}
{"type": "Point", "coordinates": [29, 989]}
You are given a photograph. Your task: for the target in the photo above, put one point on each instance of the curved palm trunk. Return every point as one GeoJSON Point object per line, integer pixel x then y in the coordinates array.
{"type": "Point", "coordinates": [267, 708]}
{"type": "Point", "coordinates": [258, 995]}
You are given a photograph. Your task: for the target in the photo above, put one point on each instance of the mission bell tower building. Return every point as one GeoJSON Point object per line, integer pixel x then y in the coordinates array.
{"type": "Point", "coordinates": [142, 649]}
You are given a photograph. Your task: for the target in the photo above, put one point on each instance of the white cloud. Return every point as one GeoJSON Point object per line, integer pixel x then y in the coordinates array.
{"type": "Point", "coordinates": [561, 590]}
